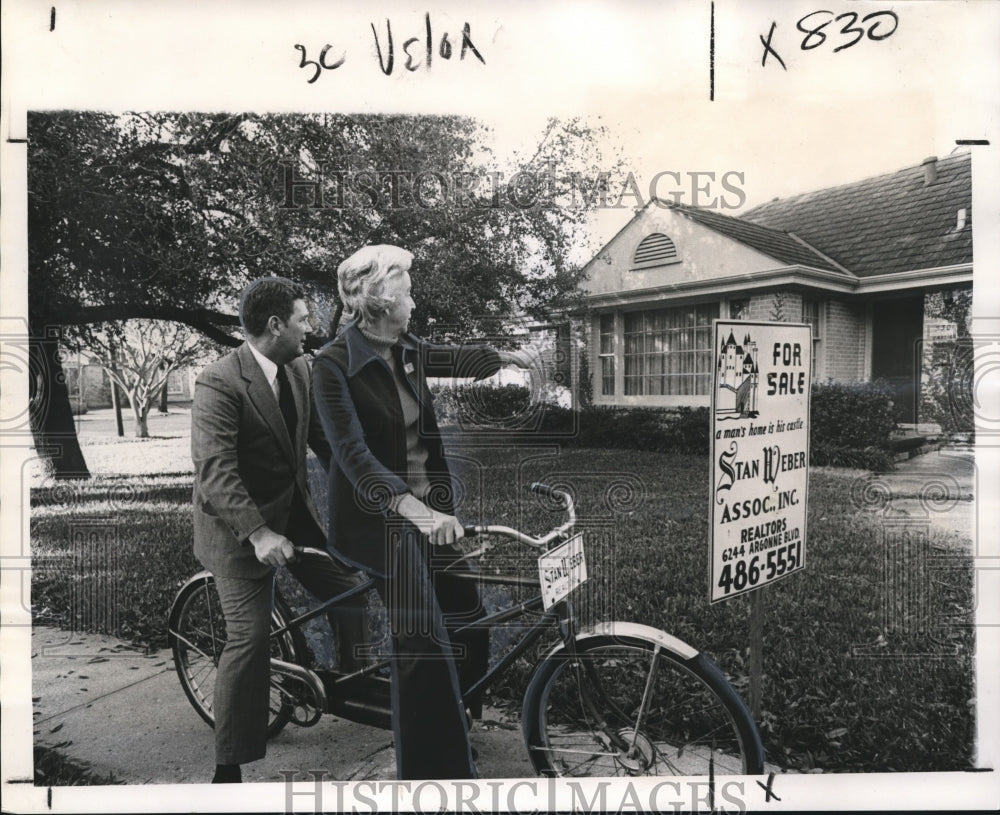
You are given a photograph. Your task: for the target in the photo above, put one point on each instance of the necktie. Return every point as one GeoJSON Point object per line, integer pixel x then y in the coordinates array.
{"type": "Point", "coordinates": [287, 402]}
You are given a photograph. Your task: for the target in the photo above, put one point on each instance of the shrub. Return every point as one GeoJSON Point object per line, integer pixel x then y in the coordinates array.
{"type": "Point", "coordinates": [680, 430]}
{"type": "Point", "coordinates": [851, 425]}
{"type": "Point", "coordinates": [946, 392]}
{"type": "Point", "coordinates": [689, 430]}
{"type": "Point", "coordinates": [683, 430]}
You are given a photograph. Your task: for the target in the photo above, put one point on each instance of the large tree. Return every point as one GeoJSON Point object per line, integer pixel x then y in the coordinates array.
{"type": "Point", "coordinates": [167, 216]}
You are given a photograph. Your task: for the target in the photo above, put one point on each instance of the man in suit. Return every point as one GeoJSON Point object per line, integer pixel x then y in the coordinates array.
{"type": "Point", "coordinates": [251, 420]}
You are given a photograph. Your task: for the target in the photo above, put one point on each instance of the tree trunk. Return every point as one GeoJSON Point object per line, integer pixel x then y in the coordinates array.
{"type": "Point", "coordinates": [116, 395]}
{"type": "Point", "coordinates": [163, 398]}
{"type": "Point", "coordinates": [51, 415]}
{"type": "Point", "coordinates": [142, 423]}
{"type": "Point", "coordinates": [116, 403]}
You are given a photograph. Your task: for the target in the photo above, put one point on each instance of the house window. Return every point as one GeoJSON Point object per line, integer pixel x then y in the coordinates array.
{"type": "Point", "coordinates": [668, 351]}
{"type": "Point", "coordinates": [739, 309]}
{"type": "Point", "coordinates": [606, 354]}
{"type": "Point", "coordinates": [812, 313]}
{"type": "Point", "coordinates": [654, 250]}
{"type": "Point", "coordinates": [175, 382]}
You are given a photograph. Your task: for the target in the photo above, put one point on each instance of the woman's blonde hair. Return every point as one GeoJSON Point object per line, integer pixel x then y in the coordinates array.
{"type": "Point", "coordinates": [362, 278]}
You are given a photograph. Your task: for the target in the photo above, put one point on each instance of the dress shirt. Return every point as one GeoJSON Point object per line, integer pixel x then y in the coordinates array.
{"type": "Point", "coordinates": [269, 368]}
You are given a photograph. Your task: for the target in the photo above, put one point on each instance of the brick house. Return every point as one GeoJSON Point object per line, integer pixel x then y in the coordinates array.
{"type": "Point", "coordinates": [871, 265]}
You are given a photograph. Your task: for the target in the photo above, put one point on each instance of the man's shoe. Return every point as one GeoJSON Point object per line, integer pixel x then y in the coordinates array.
{"type": "Point", "coordinates": [227, 774]}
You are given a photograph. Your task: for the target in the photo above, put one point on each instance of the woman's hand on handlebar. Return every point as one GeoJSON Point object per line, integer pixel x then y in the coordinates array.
{"type": "Point", "coordinates": [442, 529]}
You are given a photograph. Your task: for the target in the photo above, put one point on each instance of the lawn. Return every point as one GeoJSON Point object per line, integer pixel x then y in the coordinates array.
{"type": "Point", "coordinates": [857, 675]}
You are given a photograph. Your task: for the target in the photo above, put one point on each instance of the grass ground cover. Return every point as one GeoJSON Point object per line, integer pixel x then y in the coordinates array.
{"type": "Point", "coordinates": [857, 676]}
{"type": "Point", "coordinates": [53, 769]}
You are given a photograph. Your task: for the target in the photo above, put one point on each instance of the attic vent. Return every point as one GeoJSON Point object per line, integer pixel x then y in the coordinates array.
{"type": "Point", "coordinates": [654, 250]}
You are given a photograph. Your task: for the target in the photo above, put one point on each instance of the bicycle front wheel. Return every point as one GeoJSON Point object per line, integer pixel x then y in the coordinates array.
{"type": "Point", "coordinates": [628, 706]}
{"type": "Point", "coordinates": [197, 635]}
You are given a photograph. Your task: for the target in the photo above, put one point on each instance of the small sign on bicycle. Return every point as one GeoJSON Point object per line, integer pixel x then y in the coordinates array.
{"type": "Point", "coordinates": [561, 570]}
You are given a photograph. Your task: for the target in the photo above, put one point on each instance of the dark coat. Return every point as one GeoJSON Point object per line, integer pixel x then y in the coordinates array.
{"type": "Point", "coordinates": [246, 467]}
{"type": "Point", "coordinates": [359, 408]}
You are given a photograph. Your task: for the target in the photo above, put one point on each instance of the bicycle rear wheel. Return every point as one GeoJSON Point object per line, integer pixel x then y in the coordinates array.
{"type": "Point", "coordinates": [628, 706]}
{"type": "Point", "coordinates": [197, 635]}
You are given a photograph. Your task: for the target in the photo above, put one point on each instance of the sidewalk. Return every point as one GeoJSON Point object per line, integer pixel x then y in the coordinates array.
{"type": "Point", "coordinates": [118, 711]}
{"type": "Point", "coordinates": [938, 488]}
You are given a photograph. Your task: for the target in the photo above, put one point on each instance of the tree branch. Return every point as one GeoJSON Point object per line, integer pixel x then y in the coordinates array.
{"type": "Point", "coordinates": [207, 321]}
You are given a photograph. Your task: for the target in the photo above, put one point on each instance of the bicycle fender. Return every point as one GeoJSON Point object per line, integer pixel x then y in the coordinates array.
{"type": "Point", "coordinates": [622, 629]}
{"type": "Point", "coordinates": [195, 578]}
{"type": "Point", "coordinates": [174, 610]}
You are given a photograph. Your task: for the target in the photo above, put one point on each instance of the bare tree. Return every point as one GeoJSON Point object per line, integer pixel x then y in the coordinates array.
{"type": "Point", "coordinates": [139, 356]}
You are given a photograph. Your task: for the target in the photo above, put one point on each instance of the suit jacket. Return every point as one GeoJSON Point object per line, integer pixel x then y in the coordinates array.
{"type": "Point", "coordinates": [359, 409]}
{"type": "Point", "coordinates": [247, 469]}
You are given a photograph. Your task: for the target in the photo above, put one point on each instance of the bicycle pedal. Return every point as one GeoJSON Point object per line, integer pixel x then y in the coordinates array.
{"type": "Point", "coordinates": [305, 716]}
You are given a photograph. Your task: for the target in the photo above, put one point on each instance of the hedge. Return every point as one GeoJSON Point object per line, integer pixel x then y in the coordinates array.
{"type": "Point", "coordinates": [851, 423]}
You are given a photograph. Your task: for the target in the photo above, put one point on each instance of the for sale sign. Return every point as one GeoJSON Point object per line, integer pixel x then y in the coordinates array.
{"type": "Point", "coordinates": [760, 454]}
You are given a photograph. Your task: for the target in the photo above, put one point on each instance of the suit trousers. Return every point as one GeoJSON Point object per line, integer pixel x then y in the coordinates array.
{"type": "Point", "coordinates": [430, 663]}
{"type": "Point", "coordinates": [242, 685]}
{"type": "Point", "coordinates": [242, 682]}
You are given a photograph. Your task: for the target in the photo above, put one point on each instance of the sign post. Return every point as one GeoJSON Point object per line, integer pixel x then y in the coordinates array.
{"type": "Point", "coordinates": [759, 470]}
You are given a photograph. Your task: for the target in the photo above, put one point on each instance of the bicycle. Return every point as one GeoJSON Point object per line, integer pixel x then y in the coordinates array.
{"type": "Point", "coordinates": [615, 699]}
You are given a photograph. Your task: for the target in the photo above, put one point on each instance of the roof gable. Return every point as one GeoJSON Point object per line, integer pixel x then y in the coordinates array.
{"type": "Point", "coordinates": [772, 242]}
{"type": "Point", "coordinates": [703, 253]}
{"type": "Point", "coordinates": [883, 225]}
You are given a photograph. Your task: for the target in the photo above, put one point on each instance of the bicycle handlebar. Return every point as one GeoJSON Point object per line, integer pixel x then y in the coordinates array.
{"type": "Point", "coordinates": [472, 531]}
{"type": "Point", "coordinates": [544, 541]}
{"type": "Point", "coordinates": [539, 488]}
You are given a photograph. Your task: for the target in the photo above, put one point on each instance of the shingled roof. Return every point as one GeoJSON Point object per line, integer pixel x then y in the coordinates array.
{"type": "Point", "coordinates": [887, 224]}
{"type": "Point", "coordinates": [775, 243]}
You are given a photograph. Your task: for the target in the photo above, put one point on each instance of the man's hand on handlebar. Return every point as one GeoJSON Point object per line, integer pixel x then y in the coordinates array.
{"type": "Point", "coordinates": [271, 548]}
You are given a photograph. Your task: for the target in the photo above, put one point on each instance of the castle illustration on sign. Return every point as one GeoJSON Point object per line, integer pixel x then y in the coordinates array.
{"type": "Point", "coordinates": [736, 379]}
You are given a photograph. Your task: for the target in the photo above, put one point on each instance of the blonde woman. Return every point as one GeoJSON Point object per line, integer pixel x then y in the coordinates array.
{"type": "Point", "coordinates": [392, 502]}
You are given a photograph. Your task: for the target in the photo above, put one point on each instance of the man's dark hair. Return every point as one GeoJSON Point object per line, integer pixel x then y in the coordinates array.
{"type": "Point", "coordinates": [266, 297]}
